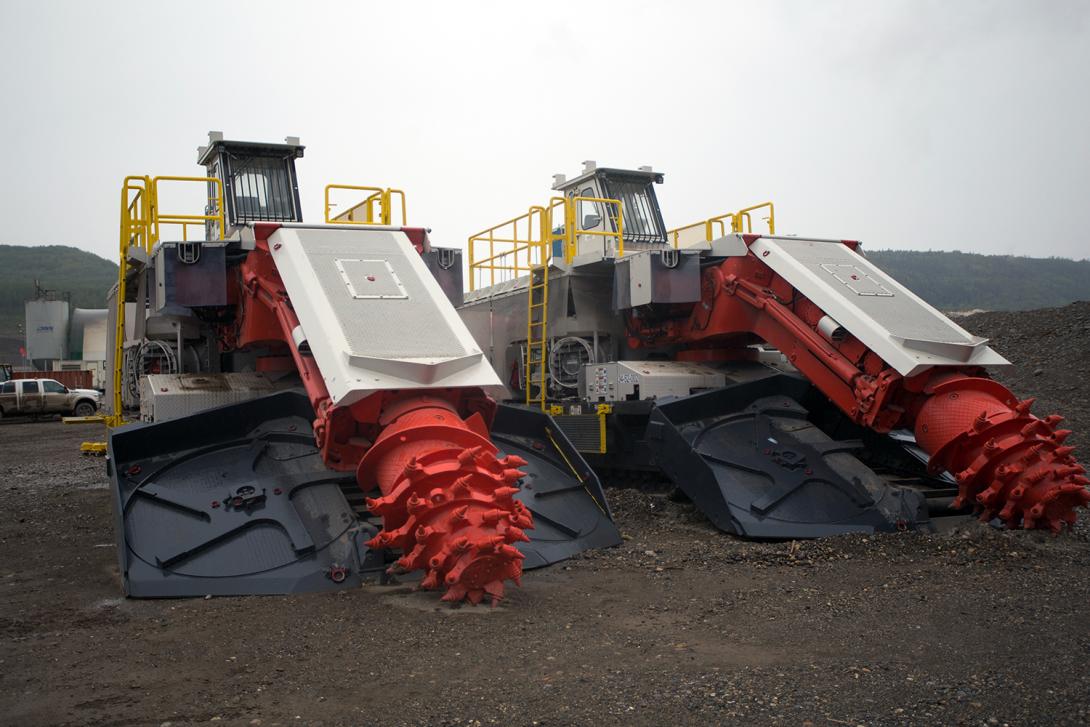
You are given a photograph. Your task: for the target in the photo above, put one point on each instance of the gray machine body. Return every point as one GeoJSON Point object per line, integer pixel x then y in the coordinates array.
{"type": "Point", "coordinates": [580, 306]}
{"type": "Point", "coordinates": [170, 396]}
{"type": "Point", "coordinates": [445, 265]}
{"type": "Point", "coordinates": [662, 276]}
{"type": "Point", "coordinates": [590, 299]}
{"type": "Point", "coordinates": [190, 274]}
{"type": "Point", "coordinates": [586, 301]}
{"type": "Point", "coordinates": [634, 380]}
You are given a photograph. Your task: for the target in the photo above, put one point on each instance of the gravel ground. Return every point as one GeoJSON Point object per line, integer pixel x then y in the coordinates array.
{"type": "Point", "coordinates": [680, 625]}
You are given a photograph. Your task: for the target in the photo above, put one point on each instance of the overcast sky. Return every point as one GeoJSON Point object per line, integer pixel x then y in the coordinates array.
{"type": "Point", "coordinates": [923, 125]}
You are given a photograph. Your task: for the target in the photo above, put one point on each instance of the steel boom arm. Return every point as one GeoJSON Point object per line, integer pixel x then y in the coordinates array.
{"type": "Point", "coordinates": [1008, 463]}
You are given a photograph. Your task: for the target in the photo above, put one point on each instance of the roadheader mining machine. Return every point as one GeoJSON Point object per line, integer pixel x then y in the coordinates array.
{"type": "Point", "coordinates": [320, 403]}
{"type": "Point", "coordinates": [785, 384]}
{"type": "Point", "coordinates": [284, 370]}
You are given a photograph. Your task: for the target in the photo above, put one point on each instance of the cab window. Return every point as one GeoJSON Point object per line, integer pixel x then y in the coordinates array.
{"type": "Point", "coordinates": [53, 387]}
{"type": "Point", "coordinates": [642, 220]}
{"type": "Point", "coordinates": [28, 387]}
{"type": "Point", "coordinates": [589, 216]}
{"type": "Point", "coordinates": [8, 388]}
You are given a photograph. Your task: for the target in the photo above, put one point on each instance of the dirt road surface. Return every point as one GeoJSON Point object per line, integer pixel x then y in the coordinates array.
{"type": "Point", "coordinates": [680, 625]}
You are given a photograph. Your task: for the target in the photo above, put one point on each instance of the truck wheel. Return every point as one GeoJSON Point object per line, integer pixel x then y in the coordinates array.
{"type": "Point", "coordinates": [84, 409]}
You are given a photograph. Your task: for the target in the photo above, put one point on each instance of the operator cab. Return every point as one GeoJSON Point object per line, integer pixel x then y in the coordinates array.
{"type": "Point", "coordinates": [596, 219]}
{"type": "Point", "coordinates": [259, 181]}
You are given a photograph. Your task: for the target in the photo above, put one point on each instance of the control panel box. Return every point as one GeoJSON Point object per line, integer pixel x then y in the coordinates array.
{"type": "Point", "coordinates": [190, 274]}
{"type": "Point", "coordinates": [171, 396]}
{"type": "Point", "coordinates": [635, 380]}
{"type": "Point", "coordinates": [656, 276]}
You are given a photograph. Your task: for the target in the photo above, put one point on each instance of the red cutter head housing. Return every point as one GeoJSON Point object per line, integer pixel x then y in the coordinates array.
{"type": "Point", "coordinates": [447, 499]}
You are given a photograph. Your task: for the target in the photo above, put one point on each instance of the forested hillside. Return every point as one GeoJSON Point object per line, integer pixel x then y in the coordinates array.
{"type": "Point", "coordinates": [57, 267]}
{"type": "Point", "coordinates": [958, 281]}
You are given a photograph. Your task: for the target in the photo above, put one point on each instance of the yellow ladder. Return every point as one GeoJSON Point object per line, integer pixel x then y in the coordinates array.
{"type": "Point", "coordinates": [537, 349]}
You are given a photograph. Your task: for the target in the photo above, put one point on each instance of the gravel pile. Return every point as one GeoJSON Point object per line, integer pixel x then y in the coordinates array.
{"type": "Point", "coordinates": [1050, 353]}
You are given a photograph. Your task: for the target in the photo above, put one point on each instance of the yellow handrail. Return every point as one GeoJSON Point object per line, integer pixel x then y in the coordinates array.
{"type": "Point", "coordinates": [508, 260]}
{"type": "Point", "coordinates": [572, 241]}
{"type": "Point", "coordinates": [135, 232]}
{"type": "Point", "coordinates": [141, 222]}
{"type": "Point", "coordinates": [380, 197]}
{"type": "Point", "coordinates": [559, 233]}
{"type": "Point", "coordinates": [740, 221]}
{"type": "Point", "coordinates": [506, 240]}
{"type": "Point", "coordinates": [213, 211]}
{"type": "Point", "coordinates": [136, 228]}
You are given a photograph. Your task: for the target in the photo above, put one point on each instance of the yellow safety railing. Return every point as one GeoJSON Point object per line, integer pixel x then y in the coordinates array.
{"type": "Point", "coordinates": [573, 228]}
{"type": "Point", "coordinates": [136, 228]}
{"type": "Point", "coordinates": [136, 232]}
{"type": "Point", "coordinates": [716, 227]}
{"type": "Point", "coordinates": [142, 223]}
{"type": "Point", "coordinates": [213, 210]}
{"type": "Point", "coordinates": [375, 209]}
{"type": "Point", "coordinates": [513, 248]}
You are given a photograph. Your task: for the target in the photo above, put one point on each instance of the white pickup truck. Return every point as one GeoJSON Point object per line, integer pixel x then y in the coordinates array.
{"type": "Point", "coordinates": [37, 397]}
